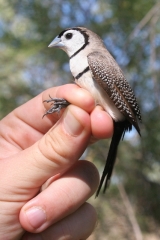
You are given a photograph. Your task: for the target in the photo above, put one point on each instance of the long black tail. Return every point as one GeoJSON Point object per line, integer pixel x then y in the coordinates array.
{"type": "Point", "coordinates": [119, 130]}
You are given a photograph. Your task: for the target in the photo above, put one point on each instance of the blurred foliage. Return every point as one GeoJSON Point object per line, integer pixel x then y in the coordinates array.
{"type": "Point", "coordinates": [131, 32]}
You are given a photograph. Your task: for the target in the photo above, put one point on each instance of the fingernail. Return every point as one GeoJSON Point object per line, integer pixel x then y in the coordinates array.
{"type": "Point", "coordinates": [36, 216]}
{"type": "Point", "coordinates": [72, 125]}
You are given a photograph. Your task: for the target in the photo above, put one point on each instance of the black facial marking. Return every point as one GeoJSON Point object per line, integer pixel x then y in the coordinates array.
{"type": "Point", "coordinates": [61, 34]}
{"type": "Point", "coordinates": [86, 40]}
{"type": "Point", "coordinates": [83, 32]}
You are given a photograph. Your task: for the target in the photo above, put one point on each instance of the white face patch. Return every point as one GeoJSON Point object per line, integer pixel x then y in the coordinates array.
{"type": "Point", "coordinates": [73, 44]}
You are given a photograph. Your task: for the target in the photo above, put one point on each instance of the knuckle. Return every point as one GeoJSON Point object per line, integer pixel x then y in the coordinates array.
{"type": "Point", "coordinates": [54, 149]}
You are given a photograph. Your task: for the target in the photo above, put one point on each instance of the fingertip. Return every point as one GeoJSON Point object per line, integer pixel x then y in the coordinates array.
{"type": "Point", "coordinates": [78, 225]}
{"type": "Point", "coordinates": [73, 94]}
{"type": "Point", "coordinates": [101, 123]}
{"type": "Point", "coordinates": [79, 115]}
{"type": "Point", "coordinates": [68, 193]}
{"type": "Point", "coordinates": [89, 173]}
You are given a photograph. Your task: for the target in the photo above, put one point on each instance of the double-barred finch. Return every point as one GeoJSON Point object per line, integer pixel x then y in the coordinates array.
{"type": "Point", "coordinates": [95, 69]}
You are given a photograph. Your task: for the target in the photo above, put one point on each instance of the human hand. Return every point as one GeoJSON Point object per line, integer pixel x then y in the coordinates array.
{"type": "Point", "coordinates": [40, 171]}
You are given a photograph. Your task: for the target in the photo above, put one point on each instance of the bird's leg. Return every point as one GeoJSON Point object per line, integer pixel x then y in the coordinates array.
{"type": "Point", "coordinates": [57, 105]}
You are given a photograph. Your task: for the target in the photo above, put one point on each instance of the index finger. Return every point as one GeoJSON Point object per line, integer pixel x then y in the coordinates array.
{"type": "Point", "coordinates": [32, 112]}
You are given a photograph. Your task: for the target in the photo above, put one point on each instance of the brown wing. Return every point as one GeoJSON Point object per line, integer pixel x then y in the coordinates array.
{"type": "Point", "coordinates": [107, 73]}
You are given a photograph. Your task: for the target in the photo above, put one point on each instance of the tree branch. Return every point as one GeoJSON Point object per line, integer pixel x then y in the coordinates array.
{"type": "Point", "coordinates": [130, 212]}
{"type": "Point", "coordinates": [153, 57]}
{"type": "Point", "coordinates": [154, 10]}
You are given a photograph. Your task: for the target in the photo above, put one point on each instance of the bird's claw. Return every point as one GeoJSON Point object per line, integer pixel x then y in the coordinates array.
{"type": "Point", "coordinates": [57, 105]}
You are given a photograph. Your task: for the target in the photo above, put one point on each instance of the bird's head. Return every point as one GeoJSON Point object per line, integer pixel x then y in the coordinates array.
{"type": "Point", "coordinates": [72, 40]}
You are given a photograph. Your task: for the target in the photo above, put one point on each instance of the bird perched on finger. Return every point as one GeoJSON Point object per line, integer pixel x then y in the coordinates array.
{"type": "Point", "coordinates": [95, 70]}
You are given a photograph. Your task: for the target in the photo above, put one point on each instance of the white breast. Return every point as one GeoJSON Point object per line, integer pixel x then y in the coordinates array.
{"type": "Point", "coordinates": [87, 82]}
{"type": "Point", "coordinates": [77, 65]}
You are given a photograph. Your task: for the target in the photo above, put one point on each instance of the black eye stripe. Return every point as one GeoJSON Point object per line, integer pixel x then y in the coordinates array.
{"type": "Point", "coordinates": [61, 34]}
{"type": "Point", "coordinates": [77, 29]}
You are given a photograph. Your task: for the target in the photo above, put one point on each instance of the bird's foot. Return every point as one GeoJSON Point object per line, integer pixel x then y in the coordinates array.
{"type": "Point", "coordinates": [57, 105]}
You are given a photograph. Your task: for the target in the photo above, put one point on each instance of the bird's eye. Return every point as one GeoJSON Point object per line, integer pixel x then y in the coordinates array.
{"type": "Point", "coordinates": [69, 35]}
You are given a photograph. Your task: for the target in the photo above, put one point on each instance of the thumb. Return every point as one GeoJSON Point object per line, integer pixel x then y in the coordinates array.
{"type": "Point", "coordinates": [56, 152]}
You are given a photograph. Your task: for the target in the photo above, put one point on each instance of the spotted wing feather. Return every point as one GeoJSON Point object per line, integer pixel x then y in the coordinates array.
{"type": "Point", "coordinates": [107, 73]}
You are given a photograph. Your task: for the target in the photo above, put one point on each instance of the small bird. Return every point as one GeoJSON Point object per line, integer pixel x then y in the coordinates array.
{"type": "Point", "coordinates": [95, 70]}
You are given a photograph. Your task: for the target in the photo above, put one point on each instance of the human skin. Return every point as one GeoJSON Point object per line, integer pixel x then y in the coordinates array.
{"type": "Point", "coordinates": [43, 187]}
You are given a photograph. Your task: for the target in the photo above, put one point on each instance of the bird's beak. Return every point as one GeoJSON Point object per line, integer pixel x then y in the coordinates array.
{"type": "Point", "coordinates": [56, 43]}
